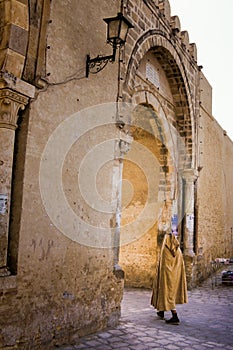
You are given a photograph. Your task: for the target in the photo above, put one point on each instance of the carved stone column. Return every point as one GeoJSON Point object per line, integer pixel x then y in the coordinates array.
{"type": "Point", "coordinates": [189, 177]}
{"type": "Point", "coordinates": [122, 147]}
{"type": "Point", "coordinates": [11, 101]}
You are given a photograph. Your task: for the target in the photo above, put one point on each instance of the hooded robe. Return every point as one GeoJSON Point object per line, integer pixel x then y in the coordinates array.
{"type": "Point", "coordinates": [170, 286]}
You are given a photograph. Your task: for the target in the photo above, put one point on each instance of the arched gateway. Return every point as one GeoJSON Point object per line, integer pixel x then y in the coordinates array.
{"type": "Point", "coordinates": [157, 84]}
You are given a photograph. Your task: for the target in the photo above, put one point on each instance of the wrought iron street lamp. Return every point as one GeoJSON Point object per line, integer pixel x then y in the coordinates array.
{"type": "Point", "coordinates": [117, 31]}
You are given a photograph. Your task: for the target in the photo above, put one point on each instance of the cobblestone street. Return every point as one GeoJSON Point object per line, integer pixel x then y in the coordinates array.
{"type": "Point", "coordinates": [206, 322]}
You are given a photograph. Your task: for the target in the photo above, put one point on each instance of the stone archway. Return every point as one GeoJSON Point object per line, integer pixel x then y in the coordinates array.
{"type": "Point", "coordinates": [148, 181]}
{"type": "Point", "coordinates": [173, 65]}
{"type": "Point", "coordinates": [178, 103]}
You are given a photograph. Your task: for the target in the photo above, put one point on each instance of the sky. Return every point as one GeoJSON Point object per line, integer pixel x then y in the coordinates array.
{"type": "Point", "coordinates": [209, 24]}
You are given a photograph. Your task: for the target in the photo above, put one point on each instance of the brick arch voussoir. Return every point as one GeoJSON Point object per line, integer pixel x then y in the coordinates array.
{"type": "Point", "coordinates": [148, 41]}
{"type": "Point", "coordinates": [151, 40]}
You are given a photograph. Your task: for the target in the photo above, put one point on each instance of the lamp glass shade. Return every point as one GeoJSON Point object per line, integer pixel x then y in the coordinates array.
{"type": "Point", "coordinates": [117, 29]}
{"type": "Point", "coordinates": [123, 30]}
{"type": "Point", "coordinates": [113, 30]}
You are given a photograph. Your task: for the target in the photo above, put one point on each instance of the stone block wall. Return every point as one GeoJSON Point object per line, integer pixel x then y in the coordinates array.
{"type": "Point", "coordinates": [214, 192]}
{"type": "Point", "coordinates": [14, 25]}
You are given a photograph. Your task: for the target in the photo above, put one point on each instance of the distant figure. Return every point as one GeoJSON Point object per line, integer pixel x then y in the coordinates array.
{"type": "Point", "coordinates": [170, 286]}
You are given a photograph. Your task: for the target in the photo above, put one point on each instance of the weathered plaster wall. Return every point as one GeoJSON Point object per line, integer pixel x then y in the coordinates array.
{"type": "Point", "coordinates": [62, 287]}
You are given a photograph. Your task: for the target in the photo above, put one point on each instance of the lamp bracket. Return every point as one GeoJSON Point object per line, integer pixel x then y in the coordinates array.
{"type": "Point", "coordinates": [95, 65]}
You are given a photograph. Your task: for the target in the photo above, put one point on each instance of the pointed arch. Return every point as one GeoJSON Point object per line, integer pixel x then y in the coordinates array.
{"type": "Point", "coordinates": [173, 65]}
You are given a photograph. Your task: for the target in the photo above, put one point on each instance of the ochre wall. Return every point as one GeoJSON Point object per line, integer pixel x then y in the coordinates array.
{"type": "Point", "coordinates": [214, 188]}
{"type": "Point", "coordinates": [62, 287]}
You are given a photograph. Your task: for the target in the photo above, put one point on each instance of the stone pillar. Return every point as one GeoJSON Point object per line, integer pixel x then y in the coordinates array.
{"type": "Point", "coordinates": [122, 147]}
{"type": "Point", "coordinates": [189, 177]}
{"type": "Point", "coordinates": [11, 101]}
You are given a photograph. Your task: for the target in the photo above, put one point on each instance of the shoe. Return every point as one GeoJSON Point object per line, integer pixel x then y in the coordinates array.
{"type": "Point", "coordinates": [173, 320]}
{"type": "Point", "coordinates": [161, 314]}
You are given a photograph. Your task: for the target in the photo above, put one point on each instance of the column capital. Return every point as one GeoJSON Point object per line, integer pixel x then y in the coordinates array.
{"type": "Point", "coordinates": [190, 175]}
{"type": "Point", "coordinates": [123, 145]}
{"type": "Point", "coordinates": [14, 95]}
{"type": "Point", "coordinates": [10, 104]}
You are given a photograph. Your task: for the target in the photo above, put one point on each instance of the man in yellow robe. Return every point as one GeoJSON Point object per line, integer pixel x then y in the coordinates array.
{"type": "Point", "coordinates": [170, 286]}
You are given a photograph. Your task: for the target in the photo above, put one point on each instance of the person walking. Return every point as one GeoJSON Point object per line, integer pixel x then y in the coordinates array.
{"type": "Point", "coordinates": [170, 287]}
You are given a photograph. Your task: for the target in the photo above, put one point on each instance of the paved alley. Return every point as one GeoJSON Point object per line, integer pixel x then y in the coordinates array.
{"type": "Point", "coordinates": [206, 322]}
